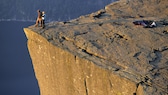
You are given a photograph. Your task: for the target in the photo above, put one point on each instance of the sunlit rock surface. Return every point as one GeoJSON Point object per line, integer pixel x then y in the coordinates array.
{"type": "Point", "coordinates": [104, 53]}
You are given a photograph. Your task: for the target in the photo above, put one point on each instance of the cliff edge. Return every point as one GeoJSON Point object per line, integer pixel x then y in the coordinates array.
{"type": "Point", "coordinates": [104, 53]}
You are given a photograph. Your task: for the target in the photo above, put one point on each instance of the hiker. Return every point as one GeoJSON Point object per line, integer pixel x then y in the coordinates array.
{"type": "Point", "coordinates": [39, 18]}
{"type": "Point", "coordinates": [145, 23]}
{"type": "Point", "coordinates": [43, 19]}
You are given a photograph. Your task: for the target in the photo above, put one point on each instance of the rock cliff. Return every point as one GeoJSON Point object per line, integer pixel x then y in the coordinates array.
{"type": "Point", "coordinates": [104, 53]}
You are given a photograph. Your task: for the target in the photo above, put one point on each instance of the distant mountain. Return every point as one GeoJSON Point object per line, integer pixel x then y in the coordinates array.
{"type": "Point", "coordinates": [55, 9]}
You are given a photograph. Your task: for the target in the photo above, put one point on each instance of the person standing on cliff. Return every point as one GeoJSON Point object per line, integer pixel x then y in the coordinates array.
{"type": "Point", "coordinates": [43, 19]}
{"type": "Point", "coordinates": [39, 18]}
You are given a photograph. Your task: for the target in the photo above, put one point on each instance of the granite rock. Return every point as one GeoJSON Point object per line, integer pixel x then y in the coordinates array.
{"type": "Point", "coordinates": [110, 54]}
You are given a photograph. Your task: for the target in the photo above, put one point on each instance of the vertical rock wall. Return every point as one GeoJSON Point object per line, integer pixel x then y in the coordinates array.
{"type": "Point", "coordinates": [60, 73]}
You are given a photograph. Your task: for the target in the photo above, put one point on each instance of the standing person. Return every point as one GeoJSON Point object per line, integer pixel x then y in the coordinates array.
{"type": "Point", "coordinates": [43, 19]}
{"type": "Point", "coordinates": [39, 18]}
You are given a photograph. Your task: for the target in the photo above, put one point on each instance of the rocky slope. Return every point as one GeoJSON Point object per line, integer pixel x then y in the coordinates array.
{"type": "Point", "coordinates": [104, 53]}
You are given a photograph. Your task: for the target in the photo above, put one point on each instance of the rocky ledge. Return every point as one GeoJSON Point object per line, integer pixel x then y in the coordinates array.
{"type": "Point", "coordinates": [108, 41]}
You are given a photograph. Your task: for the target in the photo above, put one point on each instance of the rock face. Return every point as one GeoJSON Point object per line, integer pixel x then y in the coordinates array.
{"type": "Point", "coordinates": [103, 53]}
{"type": "Point", "coordinates": [62, 73]}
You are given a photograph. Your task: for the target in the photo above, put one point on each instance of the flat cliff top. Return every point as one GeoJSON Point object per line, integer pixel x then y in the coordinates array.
{"type": "Point", "coordinates": [109, 38]}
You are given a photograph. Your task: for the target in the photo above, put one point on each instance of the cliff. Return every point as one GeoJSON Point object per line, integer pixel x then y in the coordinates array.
{"type": "Point", "coordinates": [104, 53]}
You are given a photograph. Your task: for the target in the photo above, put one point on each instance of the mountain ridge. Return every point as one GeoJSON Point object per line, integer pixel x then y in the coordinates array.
{"type": "Point", "coordinates": [59, 10]}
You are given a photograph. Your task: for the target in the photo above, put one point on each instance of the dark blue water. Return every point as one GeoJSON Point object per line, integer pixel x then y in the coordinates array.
{"type": "Point", "coordinates": [16, 70]}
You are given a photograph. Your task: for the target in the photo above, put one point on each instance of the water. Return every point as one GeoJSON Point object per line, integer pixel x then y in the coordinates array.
{"type": "Point", "coordinates": [56, 10]}
{"type": "Point", "coordinates": [16, 71]}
